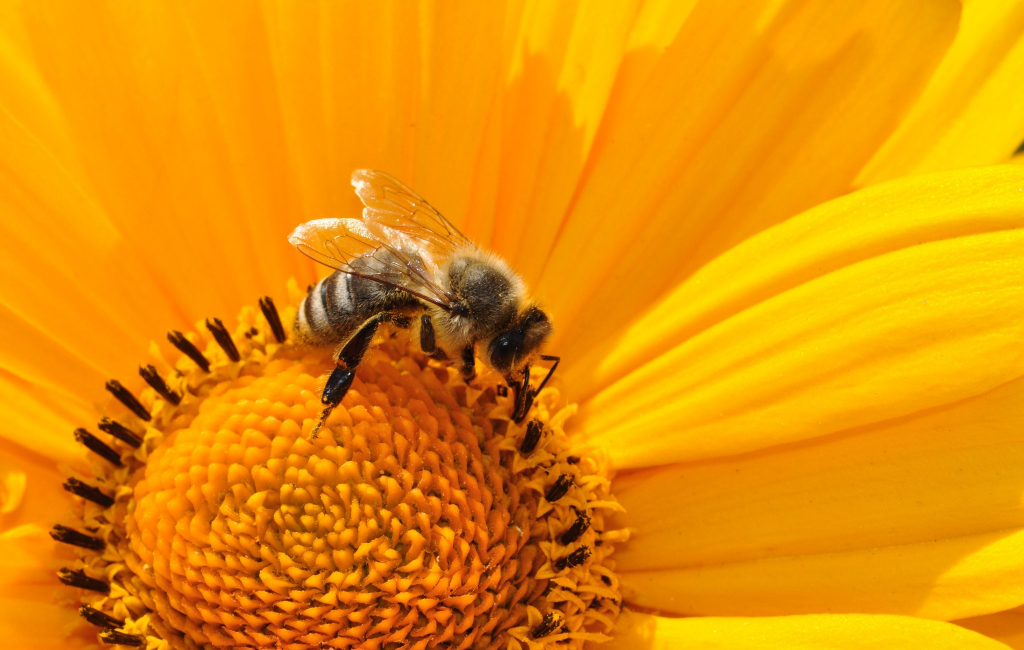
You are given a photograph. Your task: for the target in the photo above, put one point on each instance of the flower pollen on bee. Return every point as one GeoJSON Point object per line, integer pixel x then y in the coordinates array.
{"type": "Point", "coordinates": [420, 517]}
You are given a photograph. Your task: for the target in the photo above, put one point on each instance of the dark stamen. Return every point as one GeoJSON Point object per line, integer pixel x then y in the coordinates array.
{"type": "Point", "coordinates": [121, 432]}
{"type": "Point", "coordinates": [273, 318]}
{"type": "Point", "coordinates": [574, 559]}
{"type": "Point", "coordinates": [97, 446]}
{"type": "Point", "coordinates": [577, 529]}
{"type": "Point", "coordinates": [98, 618]}
{"type": "Point", "coordinates": [560, 487]}
{"type": "Point", "coordinates": [75, 538]}
{"type": "Point", "coordinates": [533, 430]}
{"type": "Point", "coordinates": [551, 622]}
{"type": "Point", "coordinates": [78, 579]}
{"type": "Point", "coordinates": [502, 390]}
{"type": "Point", "coordinates": [154, 379]}
{"type": "Point", "coordinates": [115, 637]}
{"type": "Point", "coordinates": [223, 338]}
{"type": "Point", "coordinates": [88, 492]}
{"type": "Point", "coordinates": [606, 580]}
{"type": "Point", "coordinates": [572, 460]}
{"type": "Point", "coordinates": [189, 349]}
{"type": "Point", "coordinates": [126, 398]}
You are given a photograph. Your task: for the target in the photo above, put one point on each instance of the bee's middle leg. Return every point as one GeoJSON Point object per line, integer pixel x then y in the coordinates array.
{"type": "Point", "coordinates": [344, 373]}
{"type": "Point", "coordinates": [428, 340]}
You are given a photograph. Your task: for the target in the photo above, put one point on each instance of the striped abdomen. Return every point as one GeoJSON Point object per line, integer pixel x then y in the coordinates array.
{"type": "Point", "coordinates": [339, 304]}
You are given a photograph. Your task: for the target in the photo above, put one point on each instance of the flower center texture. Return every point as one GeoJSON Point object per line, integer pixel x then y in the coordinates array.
{"type": "Point", "coordinates": [419, 517]}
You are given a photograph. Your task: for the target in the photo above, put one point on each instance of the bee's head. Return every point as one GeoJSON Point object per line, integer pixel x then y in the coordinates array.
{"type": "Point", "coordinates": [511, 349]}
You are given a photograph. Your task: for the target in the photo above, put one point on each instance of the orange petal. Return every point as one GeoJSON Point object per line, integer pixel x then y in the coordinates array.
{"type": "Point", "coordinates": [67, 303]}
{"type": "Point", "coordinates": [43, 500]}
{"type": "Point", "coordinates": [755, 112]}
{"type": "Point", "coordinates": [408, 89]}
{"type": "Point", "coordinates": [1006, 627]}
{"type": "Point", "coordinates": [787, 356]}
{"type": "Point", "coordinates": [636, 631]}
{"type": "Point", "coordinates": [36, 615]}
{"type": "Point", "coordinates": [877, 495]}
{"type": "Point", "coordinates": [971, 112]}
{"type": "Point", "coordinates": [563, 71]}
{"type": "Point", "coordinates": [164, 157]}
{"type": "Point", "coordinates": [37, 420]}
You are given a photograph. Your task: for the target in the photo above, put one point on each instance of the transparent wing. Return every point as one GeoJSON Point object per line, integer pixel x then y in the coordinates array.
{"type": "Point", "coordinates": [396, 207]}
{"type": "Point", "coordinates": [374, 252]}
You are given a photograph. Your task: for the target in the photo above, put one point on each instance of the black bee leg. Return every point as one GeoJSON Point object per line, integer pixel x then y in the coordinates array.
{"type": "Point", "coordinates": [337, 385]}
{"type": "Point", "coordinates": [468, 368]}
{"type": "Point", "coordinates": [345, 373]}
{"type": "Point", "coordinates": [547, 357]}
{"type": "Point", "coordinates": [428, 341]}
{"type": "Point", "coordinates": [524, 395]}
{"type": "Point", "coordinates": [521, 397]}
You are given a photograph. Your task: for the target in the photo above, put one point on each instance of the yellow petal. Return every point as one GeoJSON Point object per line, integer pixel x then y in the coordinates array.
{"type": "Point", "coordinates": [945, 579]}
{"type": "Point", "coordinates": [755, 112]}
{"type": "Point", "coordinates": [576, 66]}
{"type": "Point", "coordinates": [1006, 627]}
{"type": "Point", "coordinates": [972, 112]}
{"type": "Point", "coordinates": [948, 473]}
{"type": "Point", "coordinates": [831, 236]}
{"type": "Point", "coordinates": [777, 352]}
{"type": "Point", "coordinates": [636, 631]}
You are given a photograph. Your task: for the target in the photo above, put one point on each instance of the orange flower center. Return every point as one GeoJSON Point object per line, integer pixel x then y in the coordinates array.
{"type": "Point", "coordinates": [420, 516]}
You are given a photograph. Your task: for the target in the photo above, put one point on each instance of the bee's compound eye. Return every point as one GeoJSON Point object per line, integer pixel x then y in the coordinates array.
{"type": "Point", "coordinates": [504, 349]}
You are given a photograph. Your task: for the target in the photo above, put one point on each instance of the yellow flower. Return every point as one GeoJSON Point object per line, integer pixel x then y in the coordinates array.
{"type": "Point", "coordinates": [812, 397]}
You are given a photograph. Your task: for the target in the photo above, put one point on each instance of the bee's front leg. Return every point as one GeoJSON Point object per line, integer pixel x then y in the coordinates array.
{"type": "Point", "coordinates": [521, 397]}
{"type": "Point", "coordinates": [344, 373]}
{"type": "Point", "coordinates": [468, 367]}
{"type": "Point", "coordinates": [523, 394]}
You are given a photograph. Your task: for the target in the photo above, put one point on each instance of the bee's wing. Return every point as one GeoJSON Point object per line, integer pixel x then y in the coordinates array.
{"type": "Point", "coordinates": [373, 252]}
{"type": "Point", "coordinates": [396, 207]}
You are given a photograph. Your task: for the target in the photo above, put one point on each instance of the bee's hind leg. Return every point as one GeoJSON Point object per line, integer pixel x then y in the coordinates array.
{"type": "Point", "coordinates": [345, 373]}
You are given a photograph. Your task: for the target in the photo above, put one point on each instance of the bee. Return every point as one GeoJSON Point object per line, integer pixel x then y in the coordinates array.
{"type": "Point", "coordinates": [403, 263]}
